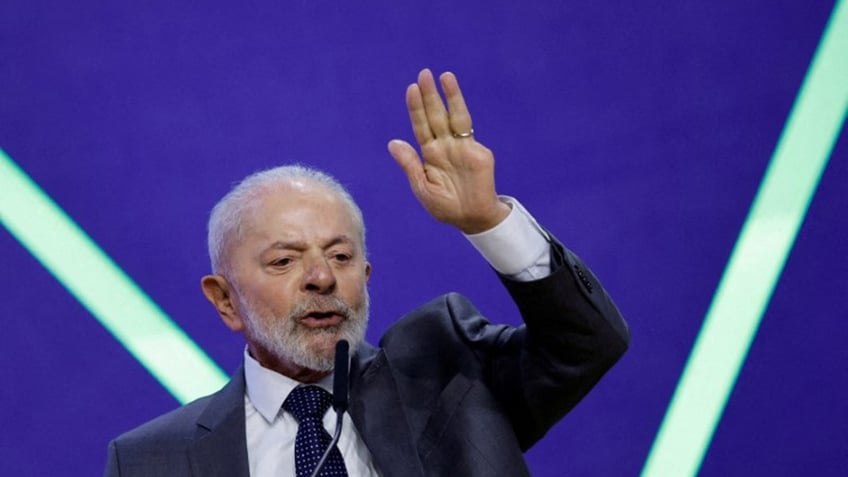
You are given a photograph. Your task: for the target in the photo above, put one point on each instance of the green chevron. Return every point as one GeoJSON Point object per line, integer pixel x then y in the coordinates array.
{"type": "Point", "coordinates": [757, 259]}
{"type": "Point", "coordinates": [65, 250]}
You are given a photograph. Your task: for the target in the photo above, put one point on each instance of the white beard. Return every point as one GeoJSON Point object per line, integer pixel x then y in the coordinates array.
{"type": "Point", "coordinates": [288, 340]}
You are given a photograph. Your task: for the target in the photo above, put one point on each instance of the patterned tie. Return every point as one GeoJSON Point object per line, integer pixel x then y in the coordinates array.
{"type": "Point", "coordinates": [308, 405]}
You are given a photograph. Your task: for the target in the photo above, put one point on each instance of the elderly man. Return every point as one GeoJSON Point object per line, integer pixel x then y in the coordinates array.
{"type": "Point", "coordinates": [446, 392]}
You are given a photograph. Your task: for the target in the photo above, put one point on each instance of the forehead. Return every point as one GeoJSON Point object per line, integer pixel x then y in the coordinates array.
{"type": "Point", "coordinates": [298, 209]}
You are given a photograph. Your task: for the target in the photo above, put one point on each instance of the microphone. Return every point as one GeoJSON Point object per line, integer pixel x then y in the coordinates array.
{"type": "Point", "coordinates": [340, 397]}
{"type": "Point", "coordinates": [340, 377]}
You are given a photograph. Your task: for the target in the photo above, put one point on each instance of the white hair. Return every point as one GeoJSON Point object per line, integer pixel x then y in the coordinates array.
{"type": "Point", "coordinates": [226, 220]}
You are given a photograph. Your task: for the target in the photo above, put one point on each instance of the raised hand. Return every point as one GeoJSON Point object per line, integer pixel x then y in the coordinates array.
{"type": "Point", "coordinates": [455, 182]}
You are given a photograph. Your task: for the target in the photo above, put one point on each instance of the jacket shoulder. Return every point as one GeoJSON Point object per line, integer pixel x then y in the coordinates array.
{"type": "Point", "coordinates": [178, 425]}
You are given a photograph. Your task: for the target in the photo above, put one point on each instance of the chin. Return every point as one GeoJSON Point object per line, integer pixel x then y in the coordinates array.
{"type": "Point", "coordinates": [310, 348]}
{"type": "Point", "coordinates": [315, 350]}
{"type": "Point", "coordinates": [319, 349]}
{"type": "Point", "coordinates": [323, 346]}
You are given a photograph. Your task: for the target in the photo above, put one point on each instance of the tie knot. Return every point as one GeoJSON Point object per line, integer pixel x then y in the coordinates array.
{"type": "Point", "coordinates": [308, 401]}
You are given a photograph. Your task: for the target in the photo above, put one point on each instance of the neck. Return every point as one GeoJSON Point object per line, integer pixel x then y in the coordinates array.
{"type": "Point", "coordinates": [286, 367]}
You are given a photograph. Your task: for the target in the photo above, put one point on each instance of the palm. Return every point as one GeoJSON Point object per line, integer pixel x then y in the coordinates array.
{"type": "Point", "coordinates": [455, 181]}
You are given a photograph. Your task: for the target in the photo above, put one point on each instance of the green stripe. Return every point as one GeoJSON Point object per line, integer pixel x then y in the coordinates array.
{"type": "Point", "coordinates": [757, 259]}
{"type": "Point", "coordinates": [44, 229]}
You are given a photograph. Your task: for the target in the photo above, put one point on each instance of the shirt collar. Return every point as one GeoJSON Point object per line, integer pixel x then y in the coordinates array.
{"type": "Point", "coordinates": [268, 389]}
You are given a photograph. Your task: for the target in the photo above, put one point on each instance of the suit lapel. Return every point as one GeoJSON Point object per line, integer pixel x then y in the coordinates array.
{"type": "Point", "coordinates": [379, 414]}
{"type": "Point", "coordinates": [220, 447]}
{"type": "Point", "coordinates": [376, 409]}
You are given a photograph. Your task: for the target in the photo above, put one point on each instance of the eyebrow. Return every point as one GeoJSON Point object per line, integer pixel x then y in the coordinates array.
{"type": "Point", "coordinates": [300, 245]}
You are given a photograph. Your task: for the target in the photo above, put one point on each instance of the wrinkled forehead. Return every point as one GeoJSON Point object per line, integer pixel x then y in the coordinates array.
{"type": "Point", "coordinates": [275, 202]}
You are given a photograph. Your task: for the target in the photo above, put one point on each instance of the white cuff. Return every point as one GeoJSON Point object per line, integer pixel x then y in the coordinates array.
{"type": "Point", "coordinates": [517, 244]}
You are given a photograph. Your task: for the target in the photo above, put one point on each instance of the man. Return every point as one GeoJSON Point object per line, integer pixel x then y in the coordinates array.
{"type": "Point", "coordinates": [445, 392]}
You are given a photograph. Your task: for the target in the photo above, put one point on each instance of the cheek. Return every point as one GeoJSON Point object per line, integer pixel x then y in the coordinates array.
{"type": "Point", "coordinates": [274, 292]}
{"type": "Point", "coordinates": [355, 292]}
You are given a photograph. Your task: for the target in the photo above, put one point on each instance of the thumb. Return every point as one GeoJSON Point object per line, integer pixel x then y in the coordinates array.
{"type": "Point", "coordinates": [408, 160]}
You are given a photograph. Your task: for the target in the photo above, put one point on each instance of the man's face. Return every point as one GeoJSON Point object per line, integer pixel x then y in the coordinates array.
{"type": "Point", "coordinates": [299, 278]}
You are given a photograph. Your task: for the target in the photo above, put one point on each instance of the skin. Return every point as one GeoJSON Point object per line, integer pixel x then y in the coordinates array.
{"type": "Point", "coordinates": [294, 243]}
{"type": "Point", "coordinates": [300, 242]}
{"type": "Point", "coordinates": [453, 178]}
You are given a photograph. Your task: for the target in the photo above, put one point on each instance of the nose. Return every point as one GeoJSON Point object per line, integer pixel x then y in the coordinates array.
{"type": "Point", "coordinates": [318, 277]}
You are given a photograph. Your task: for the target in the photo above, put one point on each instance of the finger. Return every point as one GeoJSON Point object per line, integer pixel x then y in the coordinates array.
{"type": "Point", "coordinates": [408, 160]}
{"type": "Point", "coordinates": [417, 115]}
{"type": "Point", "coordinates": [459, 117]}
{"type": "Point", "coordinates": [437, 115]}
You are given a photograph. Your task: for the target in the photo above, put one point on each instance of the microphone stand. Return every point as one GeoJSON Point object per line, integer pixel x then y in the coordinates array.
{"type": "Point", "coordinates": [340, 398]}
{"type": "Point", "coordinates": [336, 435]}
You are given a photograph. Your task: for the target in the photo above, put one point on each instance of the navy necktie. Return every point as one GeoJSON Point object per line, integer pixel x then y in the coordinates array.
{"type": "Point", "coordinates": [308, 404]}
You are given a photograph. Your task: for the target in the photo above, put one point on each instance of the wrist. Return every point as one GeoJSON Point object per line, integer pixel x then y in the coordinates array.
{"type": "Point", "coordinates": [499, 212]}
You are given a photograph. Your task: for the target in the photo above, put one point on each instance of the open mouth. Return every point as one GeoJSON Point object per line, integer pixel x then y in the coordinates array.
{"type": "Point", "coordinates": [322, 319]}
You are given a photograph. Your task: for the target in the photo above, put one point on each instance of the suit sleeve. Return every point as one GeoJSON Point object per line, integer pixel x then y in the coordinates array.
{"type": "Point", "coordinates": [573, 334]}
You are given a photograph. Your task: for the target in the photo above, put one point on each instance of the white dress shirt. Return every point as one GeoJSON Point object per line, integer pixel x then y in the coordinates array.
{"type": "Point", "coordinates": [517, 248]}
{"type": "Point", "coordinates": [271, 431]}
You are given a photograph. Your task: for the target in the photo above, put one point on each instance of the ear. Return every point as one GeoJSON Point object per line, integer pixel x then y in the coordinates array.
{"type": "Point", "coordinates": [367, 270]}
{"type": "Point", "coordinates": [219, 292]}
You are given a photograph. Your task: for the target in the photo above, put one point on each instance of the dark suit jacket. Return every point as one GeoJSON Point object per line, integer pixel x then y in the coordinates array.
{"type": "Point", "coordinates": [446, 393]}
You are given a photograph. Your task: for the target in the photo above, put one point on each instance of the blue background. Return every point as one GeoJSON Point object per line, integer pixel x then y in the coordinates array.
{"type": "Point", "coordinates": [637, 132]}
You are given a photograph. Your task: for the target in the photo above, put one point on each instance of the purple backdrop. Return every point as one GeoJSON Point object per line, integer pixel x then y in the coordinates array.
{"type": "Point", "coordinates": [636, 132]}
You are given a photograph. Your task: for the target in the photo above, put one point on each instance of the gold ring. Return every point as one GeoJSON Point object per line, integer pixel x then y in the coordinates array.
{"type": "Point", "coordinates": [470, 133]}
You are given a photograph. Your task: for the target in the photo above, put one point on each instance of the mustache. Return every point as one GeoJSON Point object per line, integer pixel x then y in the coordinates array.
{"type": "Point", "coordinates": [322, 304]}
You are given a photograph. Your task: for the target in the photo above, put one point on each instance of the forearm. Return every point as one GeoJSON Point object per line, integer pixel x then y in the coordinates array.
{"type": "Point", "coordinates": [573, 335]}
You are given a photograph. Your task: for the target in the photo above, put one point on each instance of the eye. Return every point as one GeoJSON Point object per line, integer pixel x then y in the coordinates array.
{"type": "Point", "coordinates": [342, 257]}
{"type": "Point", "coordinates": [281, 262]}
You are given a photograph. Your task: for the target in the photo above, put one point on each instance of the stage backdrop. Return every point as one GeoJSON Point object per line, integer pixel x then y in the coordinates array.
{"type": "Point", "coordinates": [638, 132]}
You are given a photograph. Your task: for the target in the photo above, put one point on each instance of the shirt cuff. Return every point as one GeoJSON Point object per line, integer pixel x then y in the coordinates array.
{"type": "Point", "coordinates": [517, 247]}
